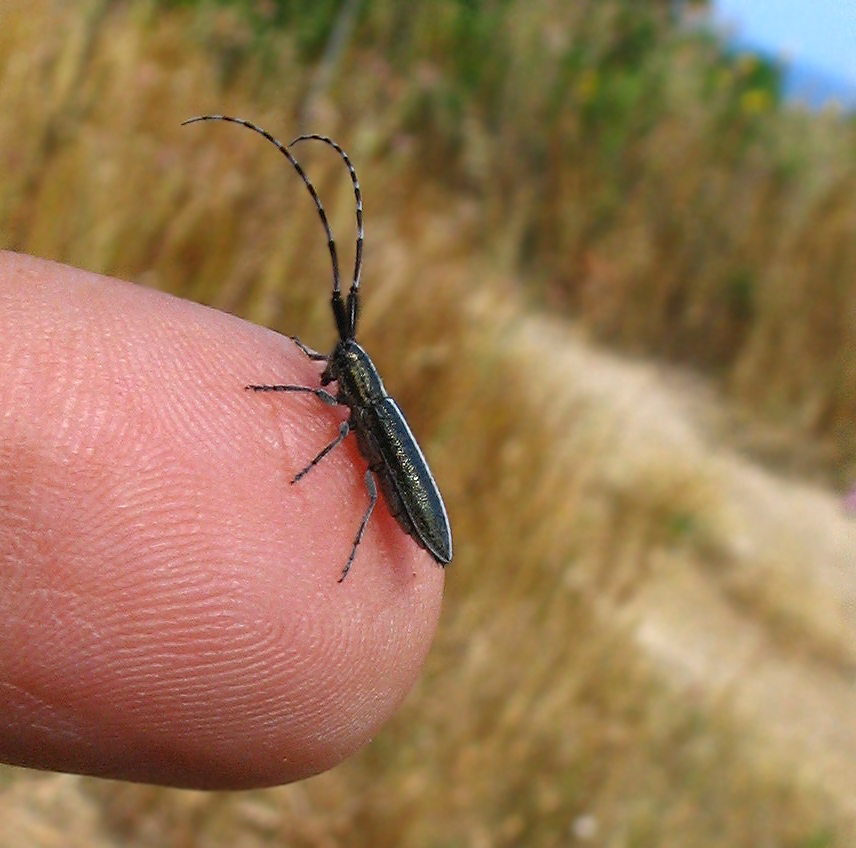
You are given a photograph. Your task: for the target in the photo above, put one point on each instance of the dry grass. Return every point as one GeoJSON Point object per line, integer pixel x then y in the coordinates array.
{"type": "Point", "coordinates": [649, 184]}
{"type": "Point", "coordinates": [535, 719]}
{"type": "Point", "coordinates": [654, 187]}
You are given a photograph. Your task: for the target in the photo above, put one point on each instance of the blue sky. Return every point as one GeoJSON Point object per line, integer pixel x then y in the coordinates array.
{"type": "Point", "coordinates": [821, 33]}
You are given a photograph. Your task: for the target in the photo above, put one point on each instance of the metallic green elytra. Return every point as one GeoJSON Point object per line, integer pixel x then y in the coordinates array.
{"type": "Point", "coordinates": [383, 437]}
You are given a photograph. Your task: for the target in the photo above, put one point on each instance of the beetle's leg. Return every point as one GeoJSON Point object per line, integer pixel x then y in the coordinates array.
{"type": "Point", "coordinates": [321, 394]}
{"type": "Point", "coordinates": [344, 429]}
{"type": "Point", "coordinates": [312, 354]}
{"type": "Point", "coordinates": [372, 490]}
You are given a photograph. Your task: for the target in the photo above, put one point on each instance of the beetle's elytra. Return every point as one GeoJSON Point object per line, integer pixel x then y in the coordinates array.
{"type": "Point", "coordinates": [383, 437]}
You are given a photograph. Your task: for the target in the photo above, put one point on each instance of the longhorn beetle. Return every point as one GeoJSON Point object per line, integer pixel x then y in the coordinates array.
{"type": "Point", "coordinates": [383, 437]}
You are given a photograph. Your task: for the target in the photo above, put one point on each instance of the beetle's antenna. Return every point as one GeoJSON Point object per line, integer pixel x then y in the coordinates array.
{"type": "Point", "coordinates": [346, 314]}
{"type": "Point", "coordinates": [296, 165]}
{"type": "Point", "coordinates": [358, 197]}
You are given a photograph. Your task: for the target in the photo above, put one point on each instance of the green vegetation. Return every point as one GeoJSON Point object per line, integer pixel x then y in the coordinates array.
{"type": "Point", "coordinates": [635, 176]}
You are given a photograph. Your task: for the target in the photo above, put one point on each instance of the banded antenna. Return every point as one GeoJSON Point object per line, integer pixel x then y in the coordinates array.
{"type": "Point", "coordinates": [331, 244]}
{"type": "Point", "coordinates": [358, 198]}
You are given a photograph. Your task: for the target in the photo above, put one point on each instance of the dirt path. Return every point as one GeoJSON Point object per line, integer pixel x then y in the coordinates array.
{"type": "Point", "coordinates": [769, 630]}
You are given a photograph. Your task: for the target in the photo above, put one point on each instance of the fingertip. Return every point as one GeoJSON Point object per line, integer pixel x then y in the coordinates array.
{"type": "Point", "coordinates": [171, 607]}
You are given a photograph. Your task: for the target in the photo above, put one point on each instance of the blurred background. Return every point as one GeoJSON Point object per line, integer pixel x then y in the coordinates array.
{"type": "Point", "coordinates": [610, 275]}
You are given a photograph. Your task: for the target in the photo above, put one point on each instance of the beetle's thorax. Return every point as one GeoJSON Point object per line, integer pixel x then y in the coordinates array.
{"type": "Point", "coordinates": [358, 382]}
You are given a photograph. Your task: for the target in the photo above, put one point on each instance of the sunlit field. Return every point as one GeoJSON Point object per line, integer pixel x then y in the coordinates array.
{"type": "Point", "coordinates": [541, 184]}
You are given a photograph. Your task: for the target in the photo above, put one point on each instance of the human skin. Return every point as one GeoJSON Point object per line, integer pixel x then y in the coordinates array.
{"type": "Point", "coordinates": [169, 604]}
